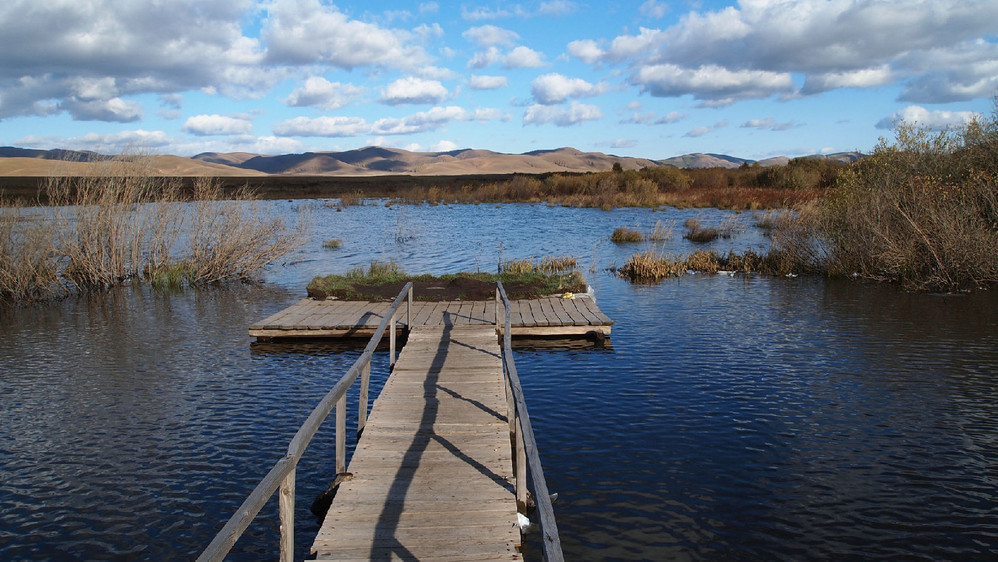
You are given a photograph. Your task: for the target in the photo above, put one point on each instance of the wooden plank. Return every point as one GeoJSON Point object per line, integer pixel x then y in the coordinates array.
{"type": "Point", "coordinates": [431, 473]}
{"type": "Point", "coordinates": [333, 318]}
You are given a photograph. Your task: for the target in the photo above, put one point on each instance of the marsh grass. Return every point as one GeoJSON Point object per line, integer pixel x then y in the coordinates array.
{"type": "Point", "coordinates": [696, 232]}
{"type": "Point", "coordinates": [624, 234]}
{"type": "Point", "coordinates": [524, 277]}
{"type": "Point", "coordinates": [333, 244]}
{"type": "Point", "coordinates": [123, 224]}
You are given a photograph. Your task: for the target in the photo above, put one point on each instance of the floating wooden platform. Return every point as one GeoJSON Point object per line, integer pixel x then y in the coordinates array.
{"type": "Point", "coordinates": [432, 472]}
{"type": "Point", "coordinates": [550, 316]}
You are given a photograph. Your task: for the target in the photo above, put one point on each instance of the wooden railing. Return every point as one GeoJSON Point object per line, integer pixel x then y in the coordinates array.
{"type": "Point", "coordinates": [526, 454]}
{"type": "Point", "coordinates": [282, 475]}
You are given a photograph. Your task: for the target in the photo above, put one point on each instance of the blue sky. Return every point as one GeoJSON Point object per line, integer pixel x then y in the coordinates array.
{"type": "Point", "coordinates": [647, 78]}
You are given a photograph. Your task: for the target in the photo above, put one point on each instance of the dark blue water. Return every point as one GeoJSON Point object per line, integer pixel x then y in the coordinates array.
{"type": "Point", "coordinates": [730, 418]}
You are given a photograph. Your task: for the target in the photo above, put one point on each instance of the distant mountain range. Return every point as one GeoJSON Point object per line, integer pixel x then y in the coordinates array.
{"type": "Point", "coordinates": [369, 161]}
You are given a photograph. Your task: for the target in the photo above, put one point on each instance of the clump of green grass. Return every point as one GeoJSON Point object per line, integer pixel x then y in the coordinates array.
{"type": "Point", "coordinates": [623, 234]}
{"type": "Point", "coordinates": [333, 244]}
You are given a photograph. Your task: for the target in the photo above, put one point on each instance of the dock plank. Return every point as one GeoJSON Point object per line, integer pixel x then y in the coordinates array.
{"type": "Point", "coordinates": [432, 472]}
{"type": "Point", "coordinates": [335, 318]}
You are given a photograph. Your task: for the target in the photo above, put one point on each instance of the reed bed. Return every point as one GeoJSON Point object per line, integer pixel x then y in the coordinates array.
{"type": "Point", "coordinates": [125, 225]}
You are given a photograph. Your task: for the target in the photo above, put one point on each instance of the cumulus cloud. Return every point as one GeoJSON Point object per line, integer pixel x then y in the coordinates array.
{"type": "Point", "coordinates": [939, 50]}
{"type": "Point", "coordinates": [114, 109]}
{"type": "Point", "coordinates": [711, 82]}
{"type": "Point", "coordinates": [481, 82]}
{"type": "Point", "coordinates": [523, 57]}
{"type": "Point", "coordinates": [555, 88]}
{"type": "Point", "coordinates": [576, 114]}
{"type": "Point", "coordinates": [485, 58]}
{"type": "Point", "coordinates": [321, 93]}
{"type": "Point", "coordinates": [444, 146]}
{"type": "Point", "coordinates": [413, 90]}
{"type": "Point", "coordinates": [864, 78]}
{"type": "Point", "coordinates": [936, 120]}
{"type": "Point", "coordinates": [490, 36]}
{"type": "Point", "coordinates": [307, 32]}
{"type": "Point", "coordinates": [586, 50]}
{"type": "Point", "coordinates": [138, 48]}
{"type": "Point", "coordinates": [204, 125]}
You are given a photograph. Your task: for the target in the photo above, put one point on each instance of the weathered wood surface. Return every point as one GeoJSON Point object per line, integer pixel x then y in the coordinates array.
{"type": "Point", "coordinates": [533, 317]}
{"type": "Point", "coordinates": [432, 471]}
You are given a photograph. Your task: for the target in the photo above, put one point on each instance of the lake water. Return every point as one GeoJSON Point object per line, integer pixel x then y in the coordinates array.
{"type": "Point", "coordinates": [739, 417]}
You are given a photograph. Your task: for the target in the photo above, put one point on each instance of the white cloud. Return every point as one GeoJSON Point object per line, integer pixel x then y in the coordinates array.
{"type": "Point", "coordinates": [490, 36]}
{"type": "Point", "coordinates": [936, 120]}
{"type": "Point", "coordinates": [484, 58]}
{"type": "Point", "coordinates": [419, 122]}
{"type": "Point", "coordinates": [423, 121]}
{"type": "Point", "coordinates": [941, 50]}
{"type": "Point", "coordinates": [671, 117]}
{"type": "Point", "coordinates": [105, 51]}
{"type": "Point", "coordinates": [523, 57]}
{"type": "Point", "coordinates": [322, 127]}
{"type": "Point", "coordinates": [204, 125]}
{"type": "Point", "coordinates": [711, 82]}
{"type": "Point", "coordinates": [555, 88]}
{"type": "Point", "coordinates": [444, 146]}
{"type": "Point", "coordinates": [413, 90]}
{"type": "Point", "coordinates": [114, 109]}
{"type": "Point", "coordinates": [698, 132]}
{"type": "Point", "coordinates": [654, 9]}
{"type": "Point", "coordinates": [577, 113]}
{"type": "Point", "coordinates": [864, 78]}
{"type": "Point", "coordinates": [768, 124]}
{"type": "Point", "coordinates": [321, 93]}
{"type": "Point", "coordinates": [556, 8]}
{"type": "Point", "coordinates": [307, 32]}
{"type": "Point", "coordinates": [481, 82]}
{"type": "Point", "coordinates": [121, 142]}
{"type": "Point", "coordinates": [586, 50]}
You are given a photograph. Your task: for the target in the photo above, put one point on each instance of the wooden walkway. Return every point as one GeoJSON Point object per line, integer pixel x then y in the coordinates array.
{"type": "Point", "coordinates": [549, 316]}
{"type": "Point", "coordinates": [432, 472]}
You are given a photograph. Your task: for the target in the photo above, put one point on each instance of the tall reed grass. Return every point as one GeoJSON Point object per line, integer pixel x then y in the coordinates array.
{"type": "Point", "coordinates": [125, 225]}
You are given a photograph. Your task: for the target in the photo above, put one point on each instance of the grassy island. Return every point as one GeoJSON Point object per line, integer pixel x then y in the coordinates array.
{"type": "Point", "coordinates": [521, 279]}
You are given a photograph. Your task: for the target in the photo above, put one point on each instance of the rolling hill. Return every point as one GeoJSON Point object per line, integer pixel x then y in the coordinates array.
{"type": "Point", "coordinates": [368, 161]}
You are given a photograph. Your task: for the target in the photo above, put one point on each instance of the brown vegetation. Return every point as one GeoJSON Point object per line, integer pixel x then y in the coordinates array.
{"type": "Point", "coordinates": [124, 225]}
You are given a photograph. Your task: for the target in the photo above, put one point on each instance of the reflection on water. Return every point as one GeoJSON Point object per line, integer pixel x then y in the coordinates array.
{"type": "Point", "coordinates": [730, 417]}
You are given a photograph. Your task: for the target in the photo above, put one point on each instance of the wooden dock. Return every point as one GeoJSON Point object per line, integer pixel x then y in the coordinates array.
{"type": "Point", "coordinates": [432, 473]}
{"type": "Point", "coordinates": [551, 316]}
{"type": "Point", "coordinates": [447, 455]}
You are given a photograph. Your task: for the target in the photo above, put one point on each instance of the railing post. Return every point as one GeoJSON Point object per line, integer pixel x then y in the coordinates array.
{"type": "Point", "coordinates": [521, 467]}
{"type": "Point", "coordinates": [341, 435]}
{"type": "Point", "coordinates": [408, 312]}
{"type": "Point", "coordinates": [286, 502]}
{"type": "Point", "coordinates": [391, 344]}
{"type": "Point", "coordinates": [365, 382]}
{"type": "Point", "coordinates": [498, 330]}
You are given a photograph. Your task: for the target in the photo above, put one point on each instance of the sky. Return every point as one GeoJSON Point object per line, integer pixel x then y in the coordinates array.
{"type": "Point", "coordinates": [645, 78]}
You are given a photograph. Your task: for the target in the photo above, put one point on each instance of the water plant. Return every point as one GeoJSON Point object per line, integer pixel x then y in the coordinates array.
{"type": "Point", "coordinates": [333, 244]}
{"type": "Point", "coordinates": [623, 234]}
